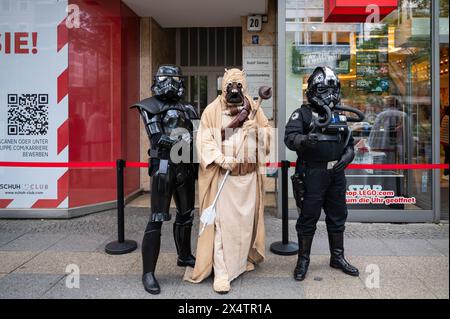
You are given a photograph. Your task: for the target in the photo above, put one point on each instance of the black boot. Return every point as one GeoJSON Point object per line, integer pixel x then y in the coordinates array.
{"type": "Point", "coordinates": [337, 260]}
{"type": "Point", "coordinates": [304, 250]}
{"type": "Point", "coordinates": [150, 251]}
{"type": "Point", "coordinates": [182, 236]}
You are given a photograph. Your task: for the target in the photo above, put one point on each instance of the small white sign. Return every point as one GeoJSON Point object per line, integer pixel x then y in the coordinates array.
{"type": "Point", "coordinates": [254, 22]}
{"type": "Point", "coordinates": [258, 65]}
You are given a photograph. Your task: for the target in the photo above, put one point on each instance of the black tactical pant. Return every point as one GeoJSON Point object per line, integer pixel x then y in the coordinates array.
{"type": "Point", "coordinates": [323, 188]}
{"type": "Point", "coordinates": [177, 180]}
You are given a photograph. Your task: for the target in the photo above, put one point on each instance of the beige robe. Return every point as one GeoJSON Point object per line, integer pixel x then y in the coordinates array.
{"type": "Point", "coordinates": [209, 148]}
{"type": "Point", "coordinates": [235, 210]}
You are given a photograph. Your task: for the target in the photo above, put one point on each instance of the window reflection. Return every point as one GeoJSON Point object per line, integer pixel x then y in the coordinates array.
{"type": "Point", "coordinates": [384, 70]}
{"type": "Point", "coordinates": [444, 104]}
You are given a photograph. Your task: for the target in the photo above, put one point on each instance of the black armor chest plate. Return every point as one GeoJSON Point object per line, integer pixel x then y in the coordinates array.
{"type": "Point", "coordinates": [175, 123]}
{"type": "Point", "coordinates": [338, 124]}
{"type": "Point", "coordinates": [331, 140]}
{"type": "Point", "coordinates": [336, 131]}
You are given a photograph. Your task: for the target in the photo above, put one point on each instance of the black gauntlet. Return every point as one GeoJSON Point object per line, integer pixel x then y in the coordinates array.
{"type": "Point", "coordinates": [298, 188]}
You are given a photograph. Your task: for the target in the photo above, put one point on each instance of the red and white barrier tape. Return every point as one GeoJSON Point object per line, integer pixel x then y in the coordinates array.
{"type": "Point", "coordinates": [273, 165]}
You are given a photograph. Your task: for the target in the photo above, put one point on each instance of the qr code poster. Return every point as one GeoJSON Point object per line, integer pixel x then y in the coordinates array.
{"type": "Point", "coordinates": [27, 114]}
{"type": "Point", "coordinates": [30, 112]}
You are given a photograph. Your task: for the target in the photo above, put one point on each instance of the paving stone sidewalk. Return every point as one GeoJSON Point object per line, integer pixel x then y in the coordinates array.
{"type": "Point", "coordinates": [412, 260]}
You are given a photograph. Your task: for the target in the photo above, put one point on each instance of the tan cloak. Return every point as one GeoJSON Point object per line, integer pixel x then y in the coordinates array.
{"type": "Point", "coordinates": [209, 149]}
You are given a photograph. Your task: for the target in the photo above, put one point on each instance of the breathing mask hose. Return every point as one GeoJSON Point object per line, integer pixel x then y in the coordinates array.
{"type": "Point", "coordinates": [360, 114]}
{"type": "Point", "coordinates": [347, 138]}
{"type": "Point", "coordinates": [327, 118]}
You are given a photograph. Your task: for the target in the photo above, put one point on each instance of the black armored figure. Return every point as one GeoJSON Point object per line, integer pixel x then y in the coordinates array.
{"type": "Point", "coordinates": [319, 134]}
{"type": "Point", "coordinates": [168, 122]}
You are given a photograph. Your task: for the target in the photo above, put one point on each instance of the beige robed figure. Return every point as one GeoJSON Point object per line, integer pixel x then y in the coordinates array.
{"type": "Point", "coordinates": [236, 241]}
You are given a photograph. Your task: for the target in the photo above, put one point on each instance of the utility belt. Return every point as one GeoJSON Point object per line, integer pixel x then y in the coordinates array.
{"type": "Point", "coordinates": [242, 169]}
{"type": "Point", "coordinates": [162, 166]}
{"type": "Point", "coordinates": [159, 154]}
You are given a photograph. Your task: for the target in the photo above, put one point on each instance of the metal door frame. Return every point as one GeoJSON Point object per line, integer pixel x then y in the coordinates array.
{"type": "Point", "coordinates": [211, 73]}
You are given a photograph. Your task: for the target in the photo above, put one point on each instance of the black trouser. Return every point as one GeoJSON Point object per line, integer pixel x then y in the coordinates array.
{"type": "Point", "coordinates": [179, 181]}
{"type": "Point", "coordinates": [323, 188]}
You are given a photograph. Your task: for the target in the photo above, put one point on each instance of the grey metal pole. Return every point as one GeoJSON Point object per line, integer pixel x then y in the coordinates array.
{"type": "Point", "coordinates": [284, 247]}
{"type": "Point", "coordinates": [121, 246]}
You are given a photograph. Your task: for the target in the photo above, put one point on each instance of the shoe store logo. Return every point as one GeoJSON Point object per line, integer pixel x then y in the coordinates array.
{"type": "Point", "coordinates": [9, 186]}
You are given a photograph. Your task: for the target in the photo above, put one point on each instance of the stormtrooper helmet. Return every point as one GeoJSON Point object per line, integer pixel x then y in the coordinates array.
{"type": "Point", "coordinates": [168, 83]}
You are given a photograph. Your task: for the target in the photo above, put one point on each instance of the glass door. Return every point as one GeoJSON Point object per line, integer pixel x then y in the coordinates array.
{"type": "Point", "coordinates": [202, 88]}
{"type": "Point", "coordinates": [444, 103]}
{"type": "Point", "coordinates": [443, 122]}
{"type": "Point", "coordinates": [196, 91]}
{"type": "Point", "coordinates": [385, 71]}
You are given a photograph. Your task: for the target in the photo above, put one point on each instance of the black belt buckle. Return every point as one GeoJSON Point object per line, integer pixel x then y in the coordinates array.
{"type": "Point", "coordinates": [163, 166]}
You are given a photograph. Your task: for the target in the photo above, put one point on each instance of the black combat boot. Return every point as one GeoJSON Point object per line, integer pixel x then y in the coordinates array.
{"type": "Point", "coordinates": [304, 250]}
{"type": "Point", "coordinates": [337, 260]}
{"type": "Point", "coordinates": [182, 236]}
{"type": "Point", "coordinates": [150, 251]}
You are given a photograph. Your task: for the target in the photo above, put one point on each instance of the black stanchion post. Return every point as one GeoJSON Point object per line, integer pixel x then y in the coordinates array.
{"type": "Point", "coordinates": [121, 246]}
{"type": "Point", "coordinates": [284, 247]}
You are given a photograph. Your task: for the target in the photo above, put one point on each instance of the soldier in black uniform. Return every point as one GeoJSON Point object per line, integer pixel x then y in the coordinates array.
{"type": "Point", "coordinates": [168, 123]}
{"type": "Point", "coordinates": [319, 134]}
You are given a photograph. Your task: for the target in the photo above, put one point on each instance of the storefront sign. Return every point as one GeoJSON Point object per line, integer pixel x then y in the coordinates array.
{"type": "Point", "coordinates": [381, 69]}
{"type": "Point", "coordinates": [371, 57]}
{"type": "Point", "coordinates": [372, 69]}
{"type": "Point", "coordinates": [357, 10]}
{"type": "Point", "coordinates": [373, 85]}
{"type": "Point", "coordinates": [372, 40]}
{"type": "Point", "coordinates": [376, 195]}
{"type": "Point", "coordinates": [33, 102]}
{"type": "Point", "coordinates": [305, 58]}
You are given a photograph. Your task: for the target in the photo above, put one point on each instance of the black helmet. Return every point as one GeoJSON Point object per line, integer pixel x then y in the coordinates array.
{"type": "Point", "coordinates": [324, 88]}
{"type": "Point", "coordinates": [168, 83]}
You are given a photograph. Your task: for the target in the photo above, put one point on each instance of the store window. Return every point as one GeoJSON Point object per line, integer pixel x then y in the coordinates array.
{"type": "Point", "coordinates": [384, 70]}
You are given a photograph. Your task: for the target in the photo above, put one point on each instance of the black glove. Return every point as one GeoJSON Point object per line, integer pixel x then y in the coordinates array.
{"type": "Point", "coordinates": [346, 159]}
{"type": "Point", "coordinates": [166, 141]}
{"type": "Point", "coordinates": [308, 140]}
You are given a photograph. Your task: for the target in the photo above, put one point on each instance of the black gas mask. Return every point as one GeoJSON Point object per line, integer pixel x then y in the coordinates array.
{"type": "Point", "coordinates": [168, 83]}
{"type": "Point", "coordinates": [324, 89]}
{"type": "Point", "coordinates": [234, 94]}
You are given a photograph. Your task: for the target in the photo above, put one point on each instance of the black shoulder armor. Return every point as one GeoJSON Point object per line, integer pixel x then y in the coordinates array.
{"type": "Point", "coordinates": [152, 105]}
{"type": "Point", "coordinates": [307, 115]}
{"type": "Point", "coordinates": [155, 106]}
